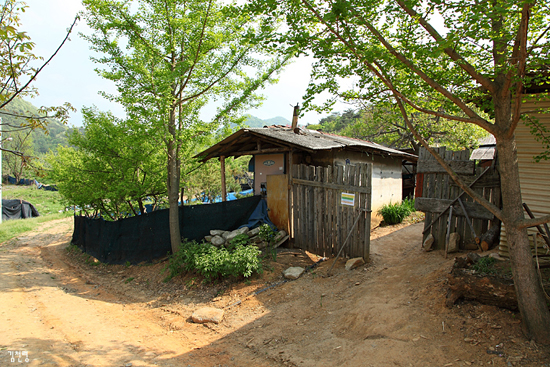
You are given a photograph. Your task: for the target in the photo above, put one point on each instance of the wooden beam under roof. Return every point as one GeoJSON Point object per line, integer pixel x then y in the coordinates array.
{"type": "Point", "coordinates": [261, 151]}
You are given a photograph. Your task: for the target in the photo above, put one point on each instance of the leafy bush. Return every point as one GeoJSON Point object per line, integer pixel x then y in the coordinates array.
{"type": "Point", "coordinates": [266, 233]}
{"type": "Point", "coordinates": [241, 239]}
{"type": "Point", "coordinates": [395, 213]}
{"type": "Point", "coordinates": [409, 203]}
{"type": "Point", "coordinates": [212, 262]}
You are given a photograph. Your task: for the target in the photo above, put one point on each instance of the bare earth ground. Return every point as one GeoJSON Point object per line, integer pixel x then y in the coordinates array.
{"type": "Point", "coordinates": [65, 311]}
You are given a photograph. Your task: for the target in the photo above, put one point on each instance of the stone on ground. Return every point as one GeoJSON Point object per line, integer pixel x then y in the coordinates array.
{"type": "Point", "coordinates": [294, 272]}
{"type": "Point", "coordinates": [355, 262]}
{"type": "Point", "coordinates": [428, 243]}
{"type": "Point", "coordinates": [235, 233]}
{"type": "Point", "coordinates": [216, 232]}
{"type": "Point", "coordinates": [207, 314]}
{"type": "Point", "coordinates": [217, 241]}
{"type": "Point", "coordinates": [454, 239]}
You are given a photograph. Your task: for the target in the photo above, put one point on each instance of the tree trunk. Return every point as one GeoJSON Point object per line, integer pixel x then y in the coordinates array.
{"type": "Point", "coordinates": [173, 184]}
{"type": "Point", "coordinates": [531, 300]}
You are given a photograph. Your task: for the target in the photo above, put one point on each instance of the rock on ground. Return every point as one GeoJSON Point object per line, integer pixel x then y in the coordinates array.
{"type": "Point", "coordinates": [293, 272]}
{"type": "Point", "coordinates": [428, 242]}
{"type": "Point", "coordinates": [207, 314]}
{"type": "Point", "coordinates": [454, 238]}
{"type": "Point", "coordinates": [217, 241]}
{"type": "Point", "coordinates": [355, 262]}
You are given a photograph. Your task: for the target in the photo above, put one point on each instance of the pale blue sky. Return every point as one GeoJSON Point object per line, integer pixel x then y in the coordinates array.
{"type": "Point", "coordinates": [70, 77]}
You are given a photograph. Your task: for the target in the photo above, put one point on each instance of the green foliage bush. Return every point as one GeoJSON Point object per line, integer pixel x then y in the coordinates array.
{"type": "Point", "coordinates": [409, 203]}
{"type": "Point", "coordinates": [213, 263]}
{"type": "Point", "coordinates": [266, 233]}
{"type": "Point", "coordinates": [241, 239]}
{"type": "Point", "coordinates": [395, 213]}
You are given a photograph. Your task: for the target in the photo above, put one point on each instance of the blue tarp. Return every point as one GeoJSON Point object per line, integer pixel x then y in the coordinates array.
{"type": "Point", "coordinates": [28, 182]}
{"type": "Point", "coordinates": [259, 216]}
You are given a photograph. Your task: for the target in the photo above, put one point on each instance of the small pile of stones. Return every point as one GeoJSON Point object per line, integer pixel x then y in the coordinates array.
{"type": "Point", "coordinates": [220, 237]}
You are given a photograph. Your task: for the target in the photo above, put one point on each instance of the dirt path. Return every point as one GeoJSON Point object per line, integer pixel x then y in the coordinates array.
{"type": "Point", "coordinates": [66, 312]}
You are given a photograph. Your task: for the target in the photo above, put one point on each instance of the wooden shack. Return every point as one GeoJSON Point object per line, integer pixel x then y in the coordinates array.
{"type": "Point", "coordinates": [278, 151]}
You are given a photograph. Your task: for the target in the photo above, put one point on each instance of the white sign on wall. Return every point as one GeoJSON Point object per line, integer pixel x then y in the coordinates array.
{"type": "Point", "coordinates": [348, 199]}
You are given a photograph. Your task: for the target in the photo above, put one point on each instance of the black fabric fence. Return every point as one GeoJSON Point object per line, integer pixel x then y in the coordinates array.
{"type": "Point", "coordinates": [147, 237]}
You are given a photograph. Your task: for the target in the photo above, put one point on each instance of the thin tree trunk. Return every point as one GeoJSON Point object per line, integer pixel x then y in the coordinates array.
{"type": "Point", "coordinates": [531, 300]}
{"type": "Point", "coordinates": [173, 184]}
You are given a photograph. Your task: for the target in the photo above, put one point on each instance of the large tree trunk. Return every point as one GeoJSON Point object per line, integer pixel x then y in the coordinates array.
{"type": "Point", "coordinates": [531, 300]}
{"type": "Point", "coordinates": [173, 184]}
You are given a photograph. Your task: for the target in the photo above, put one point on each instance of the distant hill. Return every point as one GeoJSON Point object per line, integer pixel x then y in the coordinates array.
{"type": "Point", "coordinates": [253, 121]}
{"type": "Point", "coordinates": [42, 142]}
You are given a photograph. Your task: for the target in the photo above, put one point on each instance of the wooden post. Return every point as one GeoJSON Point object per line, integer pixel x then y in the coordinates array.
{"type": "Point", "coordinates": [290, 197]}
{"type": "Point", "coordinates": [224, 193]}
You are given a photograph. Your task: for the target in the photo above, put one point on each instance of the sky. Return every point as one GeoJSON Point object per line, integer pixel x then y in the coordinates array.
{"type": "Point", "coordinates": [70, 76]}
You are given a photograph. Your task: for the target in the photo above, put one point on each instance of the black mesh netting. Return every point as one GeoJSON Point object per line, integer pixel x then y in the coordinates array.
{"type": "Point", "coordinates": [18, 209]}
{"type": "Point", "coordinates": [147, 237]}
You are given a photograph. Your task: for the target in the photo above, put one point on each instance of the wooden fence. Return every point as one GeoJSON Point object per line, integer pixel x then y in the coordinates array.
{"type": "Point", "coordinates": [439, 191]}
{"type": "Point", "coordinates": [330, 203]}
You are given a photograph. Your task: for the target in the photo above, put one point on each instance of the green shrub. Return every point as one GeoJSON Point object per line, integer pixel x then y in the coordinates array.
{"type": "Point", "coordinates": [409, 203]}
{"type": "Point", "coordinates": [213, 263]}
{"type": "Point", "coordinates": [266, 233]}
{"type": "Point", "coordinates": [241, 239]}
{"type": "Point", "coordinates": [394, 213]}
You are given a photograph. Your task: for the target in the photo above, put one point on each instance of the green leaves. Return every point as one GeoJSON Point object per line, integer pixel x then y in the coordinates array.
{"type": "Point", "coordinates": [112, 167]}
{"type": "Point", "coordinates": [214, 263]}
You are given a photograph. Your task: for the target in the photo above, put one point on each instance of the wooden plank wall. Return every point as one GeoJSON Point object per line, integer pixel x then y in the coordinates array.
{"type": "Point", "coordinates": [439, 186]}
{"type": "Point", "coordinates": [320, 222]}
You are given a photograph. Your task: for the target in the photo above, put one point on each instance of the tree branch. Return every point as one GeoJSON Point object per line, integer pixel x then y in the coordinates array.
{"type": "Point", "coordinates": [521, 40]}
{"type": "Point", "coordinates": [17, 92]}
{"type": "Point", "coordinates": [463, 63]}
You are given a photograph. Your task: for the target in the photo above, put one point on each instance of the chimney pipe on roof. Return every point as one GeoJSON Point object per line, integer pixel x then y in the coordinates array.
{"type": "Point", "coordinates": [295, 119]}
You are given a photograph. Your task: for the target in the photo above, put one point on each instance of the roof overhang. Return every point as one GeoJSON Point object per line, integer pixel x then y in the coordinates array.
{"type": "Point", "coordinates": [253, 141]}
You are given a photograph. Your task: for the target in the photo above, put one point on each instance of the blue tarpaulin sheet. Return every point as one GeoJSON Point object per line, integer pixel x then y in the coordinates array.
{"type": "Point", "coordinates": [259, 216]}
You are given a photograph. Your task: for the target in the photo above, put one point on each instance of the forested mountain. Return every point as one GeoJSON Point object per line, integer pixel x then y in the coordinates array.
{"type": "Point", "coordinates": [253, 121]}
{"type": "Point", "coordinates": [42, 141]}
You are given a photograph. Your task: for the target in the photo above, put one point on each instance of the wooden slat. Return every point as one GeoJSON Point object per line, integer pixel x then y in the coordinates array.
{"type": "Point", "coordinates": [343, 187]}
{"type": "Point", "coordinates": [320, 222]}
{"type": "Point", "coordinates": [434, 205]}
{"type": "Point", "coordinates": [459, 167]}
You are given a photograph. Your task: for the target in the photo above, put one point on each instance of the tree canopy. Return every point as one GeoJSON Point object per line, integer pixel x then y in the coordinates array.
{"type": "Point", "coordinates": [169, 59]}
{"type": "Point", "coordinates": [110, 168]}
{"type": "Point", "coordinates": [463, 61]}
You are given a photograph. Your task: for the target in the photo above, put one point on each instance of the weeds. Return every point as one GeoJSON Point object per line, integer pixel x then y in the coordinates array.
{"type": "Point", "coordinates": [128, 280]}
{"type": "Point", "coordinates": [485, 265]}
{"type": "Point", "coordinates": [395, 213]}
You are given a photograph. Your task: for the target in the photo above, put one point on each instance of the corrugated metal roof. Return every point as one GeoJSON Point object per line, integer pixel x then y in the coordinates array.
{"type": "Point", "coordinates": [483, 153]}
{"type": "Point", "coordinates": [534, 176]}
{"type": "Point", "coordinates": [305, 139]}
{"type": "Point", "coordinates": [486, 150]}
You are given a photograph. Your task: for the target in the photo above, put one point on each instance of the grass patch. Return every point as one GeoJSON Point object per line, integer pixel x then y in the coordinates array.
{"type": "Point", "coordinates": [48, 204]}
{"type": "Point", "coordinates": [395, 213]}
{"type": "Point", "coordinates": [13, 228]}
{"type": "Point", "coordinates": [485, 265]}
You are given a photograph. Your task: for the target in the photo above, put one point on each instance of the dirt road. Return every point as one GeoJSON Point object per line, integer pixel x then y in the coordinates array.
{"type": "Point", "coordinates": [63, 311]}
